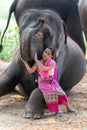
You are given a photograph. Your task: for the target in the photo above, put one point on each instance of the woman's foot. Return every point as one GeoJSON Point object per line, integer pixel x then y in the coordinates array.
{"type": "Point", "coordinates": [69, 108]}
{"type": "Point", "coordinates": [59, 114]}
{"type": "Point", "coordinates": [72, 111]}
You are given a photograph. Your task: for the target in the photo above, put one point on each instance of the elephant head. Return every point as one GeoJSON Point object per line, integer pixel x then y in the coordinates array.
{"type": "Point", "coordinates": [39, 29]}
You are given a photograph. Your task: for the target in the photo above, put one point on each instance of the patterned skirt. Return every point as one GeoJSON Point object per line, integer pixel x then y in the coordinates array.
{"type": "Point", "coordinates": [53, 94]}
{"type": "Point", "coordinates": [54, 99]}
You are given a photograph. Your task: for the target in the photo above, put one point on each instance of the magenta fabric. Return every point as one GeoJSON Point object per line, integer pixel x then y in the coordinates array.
{"type": "Point", "coordinates": [54, 106]}
{"type": "Point", "coordinates": [44, 73]}
{"type": "Point", "coordinates": [49, 84]}
{"type": "Point", "coordinates": [62, 99]}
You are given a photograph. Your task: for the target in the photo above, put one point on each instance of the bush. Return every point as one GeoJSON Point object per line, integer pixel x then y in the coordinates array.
{"type": "Point", "coordinates": [9, 43]}
{"type": "Point", "coordinates": [85, 42]}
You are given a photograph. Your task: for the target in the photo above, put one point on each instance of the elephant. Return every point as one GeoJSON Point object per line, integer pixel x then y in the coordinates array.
{"type": "Point", "coordinates": [38, 29]}
{"type": "Point", "coordinates": [68, 11]}
{"type": "Point", "coordinates": [82, 6]}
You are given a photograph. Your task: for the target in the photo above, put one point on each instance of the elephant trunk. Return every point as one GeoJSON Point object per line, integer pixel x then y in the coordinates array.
{"type": "Point", "coordinates": [28, 40]}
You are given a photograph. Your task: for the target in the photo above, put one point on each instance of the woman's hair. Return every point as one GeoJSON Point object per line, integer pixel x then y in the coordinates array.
{"type": "Point", "coordinates": [51, 48]}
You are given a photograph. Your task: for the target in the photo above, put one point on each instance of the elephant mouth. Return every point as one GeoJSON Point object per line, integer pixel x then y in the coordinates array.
{"type": "Point", "coordinates": [34, 40]}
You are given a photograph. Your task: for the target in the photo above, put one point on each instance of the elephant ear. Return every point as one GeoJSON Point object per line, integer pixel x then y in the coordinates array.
{"type": "Point", "coordinates": [65, 32]}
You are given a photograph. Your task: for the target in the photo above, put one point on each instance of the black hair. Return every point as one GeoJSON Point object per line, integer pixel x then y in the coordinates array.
{"type": "Point", "coordinates": [51, 48]}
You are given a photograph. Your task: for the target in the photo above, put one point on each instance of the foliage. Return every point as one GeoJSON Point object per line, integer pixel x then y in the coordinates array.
{"type": "Point", "coordinates": [9, 43]}
{"type": "Point", "coordinates": [85, 42]}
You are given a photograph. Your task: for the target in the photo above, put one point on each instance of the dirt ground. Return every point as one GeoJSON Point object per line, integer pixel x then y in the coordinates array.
{"type": "Point", "coordinates": [12, 108]}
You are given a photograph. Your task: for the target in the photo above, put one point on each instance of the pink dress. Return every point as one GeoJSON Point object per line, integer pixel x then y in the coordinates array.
{"type": "Point", "coordinates": [52, 92]}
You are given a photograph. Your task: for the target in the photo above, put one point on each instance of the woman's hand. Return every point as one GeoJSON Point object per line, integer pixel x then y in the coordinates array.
{"type": "Point", "coordinates": [23, 61]}
{"type": "Point", "coordinates": [29, 69]}
{"type": "Point", "coordinates": [35, 57]}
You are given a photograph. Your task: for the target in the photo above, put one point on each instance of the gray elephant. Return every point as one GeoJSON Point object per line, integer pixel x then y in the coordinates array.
{"type": "Point", "coordinates": [39, 29]}
{"type": "Point", "coordinates": [67, 9]}
{"type": "Point", "coordinates": [82, 6]}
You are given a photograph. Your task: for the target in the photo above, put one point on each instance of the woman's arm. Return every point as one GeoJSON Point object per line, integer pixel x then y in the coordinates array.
{"type": "Point", "coordinates": [30, 69]}
{"type": "Point", "coordinates": [42, 66]}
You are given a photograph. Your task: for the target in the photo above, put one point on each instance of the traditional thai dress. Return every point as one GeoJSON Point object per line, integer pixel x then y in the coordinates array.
{"type": "Point", "coordinates": [50, 88]}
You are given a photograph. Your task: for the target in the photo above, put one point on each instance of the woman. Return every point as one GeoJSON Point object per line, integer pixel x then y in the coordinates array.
{"type": "Point", "coordinates": [47, 81]}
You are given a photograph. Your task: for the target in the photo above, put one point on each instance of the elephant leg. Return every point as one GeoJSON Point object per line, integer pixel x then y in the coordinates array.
{"type": "Point", "coordinates": [68, 90]}
{"type": "Point", "coordinates": [35, 105]}
{"type": "Point", "coordinates": [8, 80]}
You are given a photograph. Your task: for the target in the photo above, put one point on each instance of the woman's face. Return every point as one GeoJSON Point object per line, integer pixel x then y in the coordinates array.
{"type": "Point", "coordinates": [47, 54]}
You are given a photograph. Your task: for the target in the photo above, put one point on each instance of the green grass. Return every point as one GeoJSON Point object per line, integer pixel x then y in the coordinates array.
{"type": "Point", "coordinates": [10, 41]}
